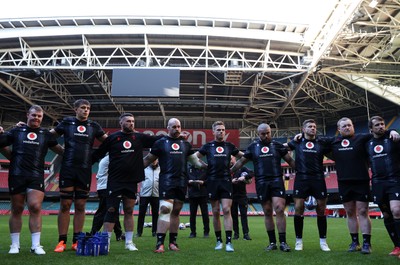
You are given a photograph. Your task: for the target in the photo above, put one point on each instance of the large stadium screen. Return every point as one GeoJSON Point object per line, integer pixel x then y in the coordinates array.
{"type": "Point", "coordinates": [145, 83]}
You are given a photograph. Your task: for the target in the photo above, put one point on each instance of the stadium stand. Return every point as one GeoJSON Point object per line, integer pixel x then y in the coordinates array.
{"type": "Point", "coordinates": [52, 186]}
{"type": "Point", "coordinates": [331, 182]}
{"type": "Point", "coordinates": [251, 190]}
{"type": "Point", "coordinates": [3, 180]}
{"type": "Point", "coordinates": [5, 207]}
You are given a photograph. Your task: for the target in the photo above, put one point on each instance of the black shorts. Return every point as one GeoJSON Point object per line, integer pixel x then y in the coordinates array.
{"type": "Point", "coordinates": [75, 177]}
{"type": "Point", "coordinates": [122, 188]}
{"type": "Point", "coordinates": [219, 189]}
{"type": "Point", "coordinates": [384, 191]}
{"type": "Point", "coordinates": [172, 193]}
{"type": "Point", "coordinates": [309, 187]}
{"type": "Point", "coordinates": [113, 199]}
{"type": "Point", "coordinates": [354, 190]}
{"type": "Point", "coordinates": [19, 184]}
{"type": "Point", "coordinates": [270, 188]}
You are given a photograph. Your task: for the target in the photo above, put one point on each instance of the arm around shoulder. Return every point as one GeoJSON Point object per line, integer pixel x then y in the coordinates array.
{"type": "Point", "coordinates": [394, 135]}
{"type": "Point", "coordinates": [58, 149]}
{"type": "Point", "coordinates": [290, 161]}
{"type": "Point", "coordinates": [54, 132]}
{"type": "Point", "coordinates": [239, 163]}
{"type": "Point", "coordinates": [148, 159]}
{"type": "Point", "coordinates": [103, 137]}
{"type": "Point", "coordinates": [6, 151]}
{"type": "Point", "coordinates": [194, 160]}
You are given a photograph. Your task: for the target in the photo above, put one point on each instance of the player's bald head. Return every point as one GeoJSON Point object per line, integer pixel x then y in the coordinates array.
{"type": "Point", "coordinates": [263, 126]}
{"type": "Point", "coordinates": [173, 121]}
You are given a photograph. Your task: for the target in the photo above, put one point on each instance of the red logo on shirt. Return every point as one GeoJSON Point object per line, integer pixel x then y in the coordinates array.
{"type": "Point", "coordinates": [378, 149]}
{"type": "Point", "coordinates": [310, 145]}
{"type": "Point", "coordinates": [345, 142]}
{"type": "Point", "coordinates": [219, 150]}
{"type": "Point", "coordinates": [127, 145]}
{"type": "Point", "coordinates": [175, 146]}
{"type": "Point", "coordinates": [31, 136]}
{"type": "Point", "coordinates": [81, 129]}
{"type": "Point", "coordinates": [265, 150]}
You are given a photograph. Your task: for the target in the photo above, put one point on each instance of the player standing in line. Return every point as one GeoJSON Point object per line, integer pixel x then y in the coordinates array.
{"type": "Point", "coordinates": [219, 181]}
{"type": "Point", "coordinates": [76, 170]}
{"type": "Point", "coordinates": [173, 153]}
{"type": "Point", "coordinates": [30, 144]}
{"type": "Point", "coordinates": [384, 158]}
{"type": "Point", "coordinates": [351, 163]}
{"type": "Point", "coordinates": [266, 155]}
{"type": "Point", "coordinates": [126, 170]}
{"type": "Point", "coordinates": [310, 181]}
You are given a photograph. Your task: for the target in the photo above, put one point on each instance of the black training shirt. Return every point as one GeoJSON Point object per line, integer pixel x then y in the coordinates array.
{"type": "Point", "coordinates": [266, 158]}
{"type": "Point", "coordinates": [29, 149]}
{"type": "Point", "coordinates": [218, 159]}
{"type": "Point", "coordinates": [309, 156]}
{"type": "Point", "coordinates": [350, 156]}
{"type": "Point", "coordinates": [384, 157]}
{"type": "Point", "coordinates": [79, 137]}
{"type": "Point", "coordinates": [126, 156]}
{"type": "Point", "coordinates": [172, 156]}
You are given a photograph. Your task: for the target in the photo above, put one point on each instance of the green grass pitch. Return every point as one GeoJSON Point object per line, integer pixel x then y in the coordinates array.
{"type": "Point", "coordinates": [201, 250]}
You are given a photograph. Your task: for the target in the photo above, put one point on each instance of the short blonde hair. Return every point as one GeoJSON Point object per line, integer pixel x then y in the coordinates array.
{"type": "Point", "coordinates": [215, 124]}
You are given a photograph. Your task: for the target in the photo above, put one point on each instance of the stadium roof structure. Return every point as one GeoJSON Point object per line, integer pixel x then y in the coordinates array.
{"type": "Point", "coordinates": [273, 61]}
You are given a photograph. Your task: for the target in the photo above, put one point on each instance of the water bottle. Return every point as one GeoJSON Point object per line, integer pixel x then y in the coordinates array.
{"type": "Point", "coordinates": [81, 244]}
{"type": "Point", "coordinates": [96, 246]}
{"type": "Point", "coordinates": [88, 249]}
{"type": "Point", "coordinates": [103, 243]}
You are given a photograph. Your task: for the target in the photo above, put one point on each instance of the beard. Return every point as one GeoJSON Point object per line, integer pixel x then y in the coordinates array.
{"type": "Point", "coordinates": [127, 129]}
{"type": "Point", "coordinates": [265, 141]}
{"type": "Point", "coordinates": [380, 132]}
{"type": "Point", "coordinates": [175, 134]}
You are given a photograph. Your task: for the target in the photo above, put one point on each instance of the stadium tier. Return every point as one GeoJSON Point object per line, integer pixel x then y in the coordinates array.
{"type": "Point", "coordinates": [3, 180]}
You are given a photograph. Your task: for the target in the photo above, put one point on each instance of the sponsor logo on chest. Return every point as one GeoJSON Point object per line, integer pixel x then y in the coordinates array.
{"type": "Point", "coordinates": [81, 131]}
{"type": "Point", "coordinates": [31, 138]}
{"type": "Point", "coordinates": [219, 151]}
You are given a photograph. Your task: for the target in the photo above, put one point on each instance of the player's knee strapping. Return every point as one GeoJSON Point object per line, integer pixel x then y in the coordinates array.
{"type": "Point", "coordinates": [67, 195]}
{"type": "Point", "coordinates": [112, 210]}
{"type": "Point", "coordinates": [81, 194]}
{"type": "Point", "coordinates": [164, 216]}
{"type": "Point", "coordinates": [111, 215]}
